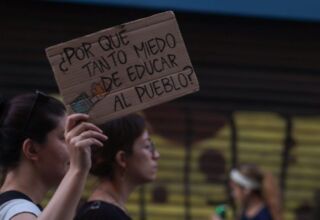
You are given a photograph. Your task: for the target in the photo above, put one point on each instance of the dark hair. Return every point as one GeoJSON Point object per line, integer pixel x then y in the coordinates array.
{"type": "Point", "coordinates": [122, 134]}
{"type": "Point", "coordinates": [26, 116]}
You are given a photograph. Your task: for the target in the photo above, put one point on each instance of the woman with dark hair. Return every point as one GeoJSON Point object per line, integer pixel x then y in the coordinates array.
{"type": "Point", "coordinates": [256, 193]}
{"type": "Point", "coordinates": [127, 160]}
{"type": "Point", "coordinates": [41, 148]}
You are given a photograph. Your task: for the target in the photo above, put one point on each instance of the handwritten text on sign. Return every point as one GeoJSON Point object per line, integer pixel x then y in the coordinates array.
{"type": "Point", "coordinates": [124, 69]}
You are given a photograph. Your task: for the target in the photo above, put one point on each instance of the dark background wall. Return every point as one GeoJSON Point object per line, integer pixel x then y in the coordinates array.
{"type": "Point", "coordinates": [242, 63]}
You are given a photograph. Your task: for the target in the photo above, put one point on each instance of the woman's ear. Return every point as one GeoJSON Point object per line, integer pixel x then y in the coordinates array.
{"type": "Point", "coordinates": [121, 159]}
{"type": "Point", "coordinates": [30, 150]}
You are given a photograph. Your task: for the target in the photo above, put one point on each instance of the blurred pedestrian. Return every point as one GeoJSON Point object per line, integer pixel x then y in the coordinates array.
{"type": "Point", "coordinates": [256, 194]}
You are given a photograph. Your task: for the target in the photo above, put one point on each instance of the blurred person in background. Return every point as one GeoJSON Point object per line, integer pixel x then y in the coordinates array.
{"type": "Point", "coordinates": [128, 160]}
{"type": "Point", "coordinates": [42, 148]}
{"type": "Point", "coordinates": [256, 194]}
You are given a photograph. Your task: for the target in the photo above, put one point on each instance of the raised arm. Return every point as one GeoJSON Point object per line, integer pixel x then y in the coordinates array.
{"type": "Point", "coordinates": [80, 135]}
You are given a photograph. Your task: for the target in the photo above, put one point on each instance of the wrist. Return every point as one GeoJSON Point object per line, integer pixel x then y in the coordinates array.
{"type": "Point", "coordinates": [78, 172]}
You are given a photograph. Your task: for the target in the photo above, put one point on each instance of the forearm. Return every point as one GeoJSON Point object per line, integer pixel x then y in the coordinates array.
{"type": "Point", "coordinates": [79, 138]}
{"type": "Point", "coordinates": [62, 205]}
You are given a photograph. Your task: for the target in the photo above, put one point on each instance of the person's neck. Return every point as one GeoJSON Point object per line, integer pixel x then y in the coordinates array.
{"type": "Point", "coordinates": [254, 205]}
{"type": "Point", "coordinates": [24, 179]}
{"type": "Point", "coordinates": [115, 192]}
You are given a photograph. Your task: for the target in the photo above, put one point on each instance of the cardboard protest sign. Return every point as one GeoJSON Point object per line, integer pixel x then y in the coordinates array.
{"type": "Point", "coordinates": [124, 69]}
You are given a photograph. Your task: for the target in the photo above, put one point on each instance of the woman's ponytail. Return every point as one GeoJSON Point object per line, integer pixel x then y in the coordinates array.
{"type": "Point", "coordinates": [272, 196]}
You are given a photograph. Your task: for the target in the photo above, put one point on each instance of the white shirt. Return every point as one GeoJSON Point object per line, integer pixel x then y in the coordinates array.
{"type": "Point", "coordinates": [18, 206]}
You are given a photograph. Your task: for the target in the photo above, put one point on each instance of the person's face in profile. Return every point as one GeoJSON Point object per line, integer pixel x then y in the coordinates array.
{"type": "Point", "coordinates": [53, 155]}
{"type": "Point", "coordinates": [237, 192]}
{"type": "Point", "coordinates": [143, 162]}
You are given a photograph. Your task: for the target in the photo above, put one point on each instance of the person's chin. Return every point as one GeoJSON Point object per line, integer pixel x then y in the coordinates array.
{"type": "Point", "coordinates": [148, 179]}
{"type": "Point", "coordinates": [153, 177]}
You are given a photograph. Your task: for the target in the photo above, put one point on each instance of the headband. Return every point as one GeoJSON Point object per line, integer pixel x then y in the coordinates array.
{"type": "Point", "coordinates": [243, 181]}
